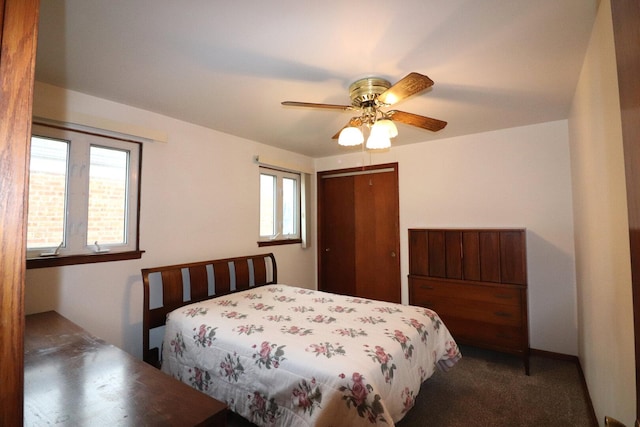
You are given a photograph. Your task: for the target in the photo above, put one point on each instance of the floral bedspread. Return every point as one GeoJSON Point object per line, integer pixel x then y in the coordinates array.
{"type": "Point", "coordinates": [287, 356]}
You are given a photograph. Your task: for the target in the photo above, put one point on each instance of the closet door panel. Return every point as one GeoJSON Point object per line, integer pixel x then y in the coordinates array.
{"type": "Point", "coordinates": [377, 248]}
{"type": "Point", "coordinates": [337, 249]}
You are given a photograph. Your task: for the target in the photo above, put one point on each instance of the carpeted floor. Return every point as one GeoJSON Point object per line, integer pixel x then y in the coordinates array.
{"type": "Point", "coordinates": [491, 389]}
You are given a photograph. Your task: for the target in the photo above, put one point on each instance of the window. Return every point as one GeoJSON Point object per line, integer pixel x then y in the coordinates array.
{"type": "Point", "coordinates": [279, 207]}
{"type": "Point", "coordinates": [83, 196]}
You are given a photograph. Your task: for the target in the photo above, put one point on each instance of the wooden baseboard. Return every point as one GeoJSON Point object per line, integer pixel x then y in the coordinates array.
{"type": "Point", "coordinates": [576, 360]}
{"type": "Point", "coordinates": [612, 422]}
{"type": "Point", "coordinates": [554, 355]}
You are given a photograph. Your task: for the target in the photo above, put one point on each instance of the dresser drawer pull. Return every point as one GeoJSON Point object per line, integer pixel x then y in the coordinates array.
{"type": "Point", "coordinates": [502, 314]}
{"type": "Point", "coordinates": [503, 296]}
{"type": "Point", "coordinates": [426, 287]}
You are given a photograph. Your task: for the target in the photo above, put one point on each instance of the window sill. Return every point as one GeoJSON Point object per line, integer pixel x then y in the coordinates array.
{"type": "Point", "coordinates": [279, 242]}
{"type": "Point", "coordinates": [81, 259]}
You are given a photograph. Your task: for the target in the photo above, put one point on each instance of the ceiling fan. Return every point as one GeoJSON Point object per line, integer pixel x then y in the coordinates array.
{"type": "Point", "coordinates": [369, 96]}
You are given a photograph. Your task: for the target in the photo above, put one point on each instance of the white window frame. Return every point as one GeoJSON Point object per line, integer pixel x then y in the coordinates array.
{"type": "Point", "coordinates": [77, 195]}
{"type": "Point", "coordinates": [279, 237]}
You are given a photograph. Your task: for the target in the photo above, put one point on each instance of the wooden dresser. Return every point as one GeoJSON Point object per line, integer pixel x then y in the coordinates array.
{"type": "Point", "coordinates": [72, 378]}
{"type": "Point", "coordinates": [476, 280]}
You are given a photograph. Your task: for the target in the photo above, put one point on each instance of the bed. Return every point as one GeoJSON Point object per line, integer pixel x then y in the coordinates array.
{"type": "Point", "coordinates": [283, 355]}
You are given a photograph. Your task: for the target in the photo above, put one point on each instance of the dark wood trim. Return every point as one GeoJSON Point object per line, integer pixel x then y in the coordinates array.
{"type": "Point", "coordinates": [576, 360]}
{"type": "Point", "coordinates": [626, 30]}
{"type": "Point", "coordinates": [81, 259]}
{"type": "Point", "coordinates": [587, 396]}
{"type": "Point", "coordinates": [554, 355]}
{"type": "Point", "coordinates": [19, 36]}
{"type": "Point", "coordinates": [279, 242]}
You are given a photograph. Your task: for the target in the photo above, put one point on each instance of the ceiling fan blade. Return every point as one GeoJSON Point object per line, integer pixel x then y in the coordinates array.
{"type": "Point", "coordinates": [411, 84]}
{"type": "Point", "coordinates": [415, 120]}
{"type": "Point", "coordinates": [355, 122]}
{"type": "Point", "coordinates": [313, 105]}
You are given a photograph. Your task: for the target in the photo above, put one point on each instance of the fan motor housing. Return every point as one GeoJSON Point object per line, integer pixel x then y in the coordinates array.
{"type": "Point", "coordinates": [366, 90]}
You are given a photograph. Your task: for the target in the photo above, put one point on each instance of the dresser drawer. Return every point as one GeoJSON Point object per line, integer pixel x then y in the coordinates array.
{"type": "Point", "coordinates": [421, 288]}
{"type": "Point", "coordinates": [469, 310]}
{"type": "Point", "coordinates": [483, 334]}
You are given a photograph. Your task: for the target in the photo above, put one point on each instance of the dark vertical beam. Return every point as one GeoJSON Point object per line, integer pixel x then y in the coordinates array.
{"type": "Point", "coordinates": [18, 39]}
{"type": "Point", "coordinates": [626, 29]}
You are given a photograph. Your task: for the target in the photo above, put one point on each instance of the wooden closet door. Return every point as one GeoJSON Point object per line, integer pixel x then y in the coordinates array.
{"type": "Point", "coordinates": [358, 231]}
{"type": "Point", "coordinates": [377, 237]}
{"type": "Point", "coordinates": [336, 219]}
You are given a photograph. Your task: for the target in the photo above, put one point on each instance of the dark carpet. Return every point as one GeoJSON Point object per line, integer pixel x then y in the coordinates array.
{"type": "Point", "coordinates": [486, 388]}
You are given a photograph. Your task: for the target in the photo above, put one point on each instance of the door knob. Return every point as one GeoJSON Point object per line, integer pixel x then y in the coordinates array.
{"type": "Point", "coordinates": [393, 254]}
{"type": "Point", "coordinates": [327, 249]}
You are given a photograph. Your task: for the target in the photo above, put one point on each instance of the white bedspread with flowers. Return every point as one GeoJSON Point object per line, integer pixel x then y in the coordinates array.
{"type": "Point", "coordinates": [287, 356]}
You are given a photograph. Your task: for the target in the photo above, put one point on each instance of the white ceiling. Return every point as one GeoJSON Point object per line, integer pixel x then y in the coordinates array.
{"type": "Point", "coordinates": [227, 65]}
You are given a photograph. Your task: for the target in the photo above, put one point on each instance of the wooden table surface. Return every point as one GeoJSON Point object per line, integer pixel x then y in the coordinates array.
{"type": "Point", "coordinates": [72, 378]}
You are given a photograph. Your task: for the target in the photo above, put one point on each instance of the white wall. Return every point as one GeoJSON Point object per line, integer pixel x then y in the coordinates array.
{"type": "Point", "coordinates": [606, 341]}
{"type": "Point", "coordinates": [516, 177]}
{"type": "Point", "coordinates": [199, 201]}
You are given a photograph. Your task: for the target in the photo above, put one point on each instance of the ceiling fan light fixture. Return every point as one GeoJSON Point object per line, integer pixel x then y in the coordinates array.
{"type": "Point", "coordinates": [378, 138]}
{"type": "Point", "coordinates": [388, 125]}
{"type": "Point", "coordinates": [369, 96]}
{"type": "Point", "coordinates": [350, 136]}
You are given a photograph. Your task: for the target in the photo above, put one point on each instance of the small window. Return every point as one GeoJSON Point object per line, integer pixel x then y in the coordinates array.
{"type": "Point", "coordinates": [279, 207]}
{"type": "Point", "coordinates": [83, 194]}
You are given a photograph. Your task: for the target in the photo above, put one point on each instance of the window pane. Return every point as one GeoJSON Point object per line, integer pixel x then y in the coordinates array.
{"type": "Point", "coordinates": [47, 192]}
{"type": "Point", "coordinates": [267, 205]}
{"type": "Point", "coordinates": [289, 196]}
{"type": "Point", "coordinates": [107, 196]}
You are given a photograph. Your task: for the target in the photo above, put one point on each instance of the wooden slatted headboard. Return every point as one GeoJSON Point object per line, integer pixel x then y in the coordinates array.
{"type": "Point", "coordinates": [173, 286]}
